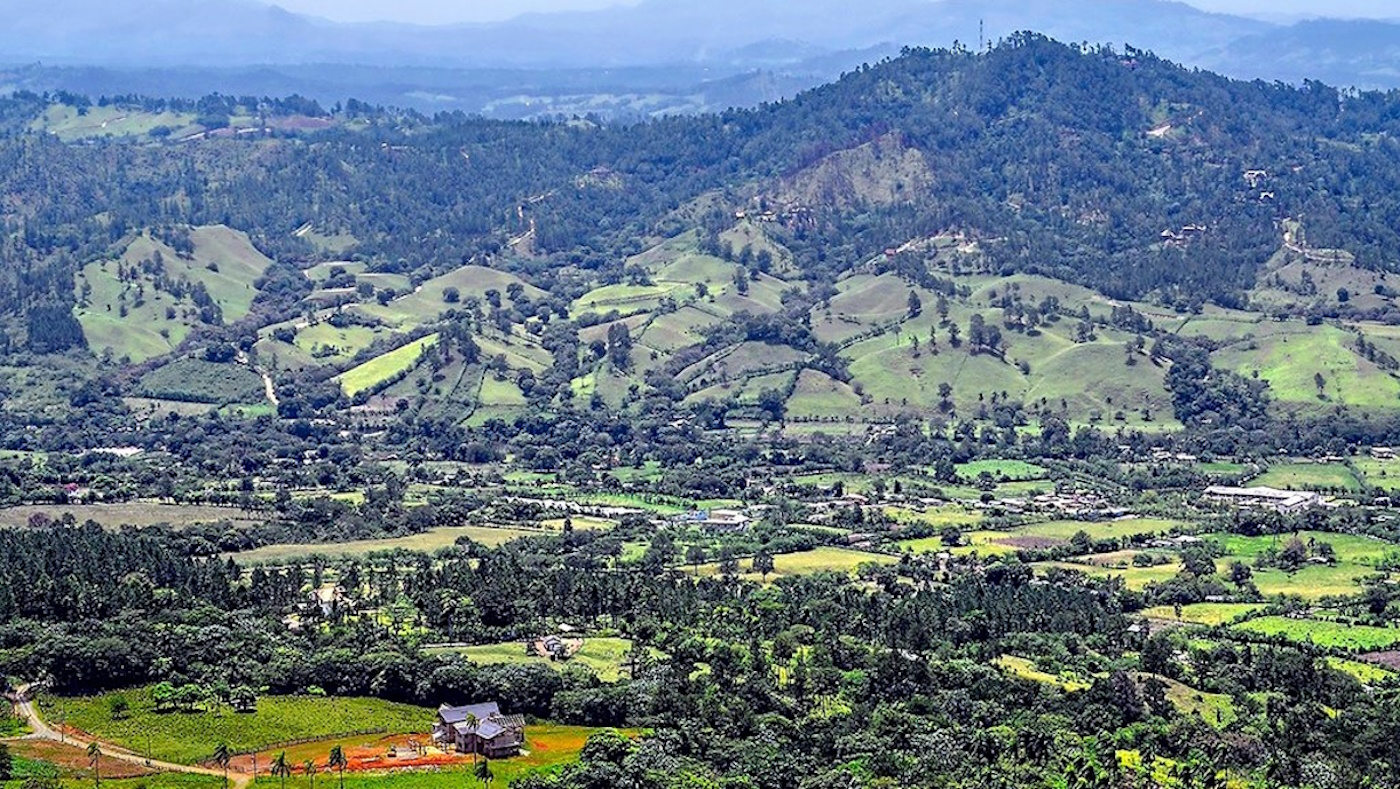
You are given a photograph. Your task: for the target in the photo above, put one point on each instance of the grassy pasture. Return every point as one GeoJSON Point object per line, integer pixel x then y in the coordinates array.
{"type": "Point", "coordinates": [604, 656]}
{"type": "Point", "coordinates": [983, 543]}
{"type": "Point", "coordinates": [1309, 476]}
{"type": "Point", "coordinates": [1312, 582]}
{"type": "Point", "coordinates": [134, 513]}
{"type": "Point", "coordinates": [1010, 470]}
{"type": "Point", "coordinates": [1350, 548]}
{"type": "Point", "coordinates": [187, 738]}
{"type": "Point", "coordinates": [381, 368]}
{"type": "Point", "coordinates": [1289, 361]}
{"type": "Point", "coordinates": [344, 342]}
{"type": "Point", "coordinates": [1217, 709]}
{"type": "Point", "coordinates": [1026, 669]}
{"type": "Point", "coordinates": [818, 560]}
{"type": "Point", "coordinates": [1204, 613]}
{"type": "Point", "coordinates": [1098, 530]}
{"type": "Point", "coordinates": [1383, 474]}
{"type": "Point", "coordinates": [428, 542]}
{"type": "Point", "coordinates": [1135, 578]}
{"type": "Point", "coordinates": [1332, 635]}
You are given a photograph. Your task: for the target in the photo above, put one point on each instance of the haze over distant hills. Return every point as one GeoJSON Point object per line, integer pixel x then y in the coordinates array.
{"type": "Point", "coordinates": [659, 55]}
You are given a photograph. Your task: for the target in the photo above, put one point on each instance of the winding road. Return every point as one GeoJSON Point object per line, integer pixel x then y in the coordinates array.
{"type": "Point", "coordinates": [39, 730]}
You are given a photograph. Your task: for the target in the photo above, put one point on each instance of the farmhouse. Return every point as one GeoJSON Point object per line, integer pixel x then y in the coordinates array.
{"type": "Point", "coordinates": [1383, 453]}
{"type": "Point", "coordinates": [480, 729]}
{"type": "Point", "coordinates": [1266, 498]}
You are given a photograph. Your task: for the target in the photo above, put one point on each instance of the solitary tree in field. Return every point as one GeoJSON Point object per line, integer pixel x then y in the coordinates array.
{"type": "Point", "coordinates": [94, 754]}
{"type": "Point", "coordinates": [337, 761]}
{"type": "Point", "coordinates": [763, 563]}
{"type": "Point", "coordinates": [483, 772]}
{"type": "Point", "coordinates": [222, 757]}
{"type": "Point", "coordinates": [281, 769]}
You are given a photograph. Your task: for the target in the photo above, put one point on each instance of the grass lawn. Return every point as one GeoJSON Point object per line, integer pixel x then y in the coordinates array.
{"type": "Point", "coordinates": [189, 737]}
{"type": "Point", "coordinates": [603, 655]}
{"type": "Point", "coordinates": [382, 368]}
{"type": "Point", "coordinates": [1333, 635]}
{"type": "Point", "coordinates": [1309, 476]}
{"type": "Point", "coordinates": [428, 542]}
{"type": "Point", "coordinates": [1204, 613]}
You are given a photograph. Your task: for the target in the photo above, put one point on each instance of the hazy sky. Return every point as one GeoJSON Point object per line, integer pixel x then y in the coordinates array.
{"type": "Point", "coordinates": [446, 11]}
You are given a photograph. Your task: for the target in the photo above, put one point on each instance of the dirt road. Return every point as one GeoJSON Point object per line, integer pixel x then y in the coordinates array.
{"type": "Point", "coordinates": [40, 730]}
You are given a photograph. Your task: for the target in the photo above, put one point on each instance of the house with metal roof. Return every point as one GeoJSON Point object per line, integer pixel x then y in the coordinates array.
{"type": "Point", "coordinates": [480, 729]}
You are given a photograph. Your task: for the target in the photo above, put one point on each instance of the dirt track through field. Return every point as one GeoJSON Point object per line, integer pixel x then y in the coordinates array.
{"type": "Point", "coordinates": [39, 730]}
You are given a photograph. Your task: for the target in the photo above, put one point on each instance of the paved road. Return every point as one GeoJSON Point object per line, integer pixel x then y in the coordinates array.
{"type": "Point", "coordinates": [39, 730]}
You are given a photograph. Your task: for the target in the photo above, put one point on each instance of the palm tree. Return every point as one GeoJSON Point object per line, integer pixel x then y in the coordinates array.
{"type": "Point", "coordinates": [281, 769]}
{"type": "Point", "coordinates": [309, 768]}
{"type": "Point", "coordinates": [337, 760]}
{"type": "Point", "coordinates": [483, 772]}
{"type": "Point", "coordinates": [473, 723]}
{"type": "Point", "coordinates": [222, 757]}
{"type": "Point", "coordinates": [94, 754]}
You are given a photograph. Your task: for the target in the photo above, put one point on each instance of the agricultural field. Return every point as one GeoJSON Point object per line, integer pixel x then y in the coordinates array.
{"type": "Point", "coordinates": [1026, 669]}
{"type": "Point", "coordinates": [129, 514]}
{"type": "Point", "coordinates": [604, 656]}
{"type": "Point", "coordinates": [1216, 709]}
{"type": "Point", "coordinates": [1135, 578]}
{"type": "Point", "coordinates": [1292, 354]}
{"type": "Point", "coordinates": [429, 541]}
{"type": "Point", "coordinates": [1349, 548]}
{"type": "Point", "coordinates": [982, 543]}
{"type": "Point", "coordinates": [1330, 635]}
{"type": "Point", "coordinates": [380, 369]}
{"type": "Point", "coordinates": [1365, 673]}
{"type": "Point", "coordinates": [1383, 474]}
{"type": "Point", "coordinates": [1309, 476]}
{"type": "Point", "coordinates": [189, 737]}
{"type": "Point", "coordinates": [1064, 530]}
{"type": "Point", "coordinates": [70, 762]}
{"type": "Point", "coordinates": [1211, 614]}
{"type": "Point", "coordinates": [199, 381]}
{"type": "Point", "coordinates": [1002, 470]}
{"type": "Point", "coordinates": [824, 559]}
{"type": "Point", "coordinates": [71, 124]}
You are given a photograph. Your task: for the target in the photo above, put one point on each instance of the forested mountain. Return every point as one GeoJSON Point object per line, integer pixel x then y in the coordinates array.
{"type": "Point", "coordinates": [1116, 195]}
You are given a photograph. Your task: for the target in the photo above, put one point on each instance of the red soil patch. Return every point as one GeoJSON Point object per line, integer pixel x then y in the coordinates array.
{"type": "Point", "coordinates": [73, 761]}
{"type": "Point", "coordinates": [362, 754]}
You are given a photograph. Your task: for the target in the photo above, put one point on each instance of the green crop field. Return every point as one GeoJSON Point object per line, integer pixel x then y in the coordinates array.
{"type": "Point", "coordinates": [1309, 476]}
{"type": "Point", "coordinates": [188, 737]}
{"type": "Point", "coordinates": [428, 542]}
{"type": "Point", "coordinates": [382, 368]}
{"type": "Point", "coordinates": [1204, 613]}
{"type": "Point", "coordinates": [604, 656]}
{"type": "Point", "coordinates": [982, 543]}
{"type": "Point", "coordinates": [1365, 673]}
{"type": "Point", "coordinates": [1312, 582]}
{"type": "Point", "coordinates": [1332, 635]}
{"type": "Point", "coordinates": [1010, 470]}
